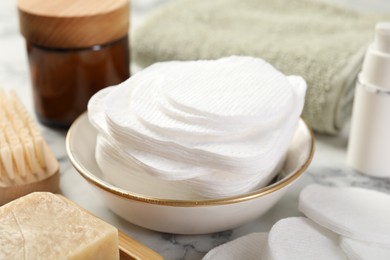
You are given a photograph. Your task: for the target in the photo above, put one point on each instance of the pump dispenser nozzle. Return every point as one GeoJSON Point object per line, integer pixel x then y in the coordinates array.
{"type": "Point", "coordinates": [382, 37]}
{"type": "Point", "coordinates": [376, 66]}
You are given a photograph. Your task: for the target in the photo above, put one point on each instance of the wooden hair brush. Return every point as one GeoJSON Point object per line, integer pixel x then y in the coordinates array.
{"type": "Point", "coordinates": [26, 162]}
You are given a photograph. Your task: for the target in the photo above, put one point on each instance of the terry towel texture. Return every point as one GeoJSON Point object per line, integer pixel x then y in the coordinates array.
{"type": "Point", "coordinates": [323, 43]}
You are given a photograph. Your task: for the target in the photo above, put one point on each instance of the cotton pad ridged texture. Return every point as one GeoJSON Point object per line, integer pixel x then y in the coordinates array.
{"type": "Point", "coordinates": [206, 83]}
{"type": "Point", "coordinates": [249, 247]}
{"type": "Point", "coordinates": [357, 250]}
{"type": "Point", "coordinates": [301, 238]}
{"type": "Point", "coordinates": [142, 119]}
{"type": "Point", "coordinates": [319, 41]}
{"type": "Point", "coordinates": [351, 212]}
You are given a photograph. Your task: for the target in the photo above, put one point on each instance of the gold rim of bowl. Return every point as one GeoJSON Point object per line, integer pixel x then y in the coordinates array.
{"type": "Point", "coordinates": [91, 178]}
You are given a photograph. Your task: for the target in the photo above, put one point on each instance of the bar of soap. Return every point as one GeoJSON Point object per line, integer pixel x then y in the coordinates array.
{"type": "Point", "coordinates": [45, 226]}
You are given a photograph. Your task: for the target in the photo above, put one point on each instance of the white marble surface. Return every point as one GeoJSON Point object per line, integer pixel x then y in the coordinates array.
{"type": "Point", "coordinates": [328, 166]}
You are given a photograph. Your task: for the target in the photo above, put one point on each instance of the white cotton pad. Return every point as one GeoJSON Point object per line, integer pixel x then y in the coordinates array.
{"type": "Point", "coordinates": [249, 247]}
{"type": "Point", "coordinates": [95, 109]}
{"type": "Point", "coordinates": [147, 110]}
{"type": "Point", "coordinates": [357, 250]}
{"type": "Point", "coordinates": [225, 123]}
{"type": "Point", "coordinates": [300, 238]}
{"type": "Point", "coordinates": [233, 88]}
{"type": "Point", "coordinates": [145, 105]}
{"type": "Point", "coordinates": [126, 174]}
{"type": "Point", "coordinates": [191, 118]}
{"type": "Point", "coordinates": [163, 168]}
{"type": "Point", "coordinates": [124, 123]}
{"type": "Point", "coordinates": [352, 212]}
{"type": "Point", "coordinates": [125, 168]}
{"type": "Point", "coordinates": [201, 155]}
{"type": "Point", "coordinates": [260, 166]}
{"type": "Point", "coordinates": [224, 184]}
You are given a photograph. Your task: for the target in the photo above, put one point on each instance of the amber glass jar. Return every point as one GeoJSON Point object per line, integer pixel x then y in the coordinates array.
{"type": "Point", "coordinates": [75, 48]}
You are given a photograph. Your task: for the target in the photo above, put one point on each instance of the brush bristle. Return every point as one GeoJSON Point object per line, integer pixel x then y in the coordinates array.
{"type": "Point", "coordinates": [21, 143]}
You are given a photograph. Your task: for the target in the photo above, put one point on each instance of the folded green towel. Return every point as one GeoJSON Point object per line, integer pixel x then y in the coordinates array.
{"type": "Point", "coordinates": [323, 43]}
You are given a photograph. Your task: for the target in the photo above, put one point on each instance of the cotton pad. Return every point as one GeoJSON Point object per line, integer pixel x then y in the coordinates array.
{"type": "Point", "coordinates": [223, 184]}
{"type": "Point", "coordinates": [206, 84]}
{"type": "Point", "coordinates": [95, 110]}
{"type": "Point", "coordinates": [191, 118]}
{"type": "Point", "coordinates": [97, 119]}
{"type": "Point", "coordinates": [150, 114]}
{"type": "Point", "coordinates": [301, 238]}
{"type": "Point", "coordinates": [114, 161]}
{"type": "Point", "coordinates": [355, 213]}
{"type": "Point", "coordinates": [249, 247]}
{"type": "Point", "coordinates": [182, 126]}
{"type": "Point", "coordinates": [258, 152]}
{"type": "Point", "coordinates": [128, 175]}
{"type": "Point", "coordinates": [124, 167]}
{"type": "Point", "coordinates": [160, 135]}
{"type": "Point", "coordinates": [109, 151]}
{"type": "Point", "coordinates": [163, 150]}
{"type": "Point", "coordinates": [224, 124]}
{"type": "Point", "coordinates": [123, 122]}
{"type": "Point", "coordinates": [357, 250]}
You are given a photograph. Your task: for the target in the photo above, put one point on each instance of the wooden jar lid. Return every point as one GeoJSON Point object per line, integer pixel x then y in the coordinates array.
{"type": "Point", "coordinates": [73, 23]}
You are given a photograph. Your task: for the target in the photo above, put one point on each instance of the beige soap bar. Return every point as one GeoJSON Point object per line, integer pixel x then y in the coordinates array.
{"type": "Point", "coordinates": [42, 225]}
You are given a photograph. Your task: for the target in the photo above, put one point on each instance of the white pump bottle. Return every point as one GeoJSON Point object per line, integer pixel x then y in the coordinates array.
{"type": "Point", "coordinates": [369, 141]}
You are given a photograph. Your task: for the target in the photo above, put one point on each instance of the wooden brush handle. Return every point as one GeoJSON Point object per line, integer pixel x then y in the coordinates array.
{"type": "Point", "coordinates": [132, 249]}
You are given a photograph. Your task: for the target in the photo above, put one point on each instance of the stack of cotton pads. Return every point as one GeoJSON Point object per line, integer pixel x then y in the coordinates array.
{"type": "Point", "coordinates": [341, 223]}
{"type": "Point", "coordinates": [199, 129]}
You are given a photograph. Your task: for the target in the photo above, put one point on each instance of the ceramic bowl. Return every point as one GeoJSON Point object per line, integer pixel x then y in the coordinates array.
{"type": "Point", "coordinates": [185, 216]}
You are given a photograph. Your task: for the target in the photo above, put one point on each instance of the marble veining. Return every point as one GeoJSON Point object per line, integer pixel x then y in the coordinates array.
{"type": "Point", "coordinates": [330, 176]}
{"type": "Point", "coordinates": [328, 166]}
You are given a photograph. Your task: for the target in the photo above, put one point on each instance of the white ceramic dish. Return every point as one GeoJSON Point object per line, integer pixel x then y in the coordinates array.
{"type": "Point", "coordinates": [184, 216]}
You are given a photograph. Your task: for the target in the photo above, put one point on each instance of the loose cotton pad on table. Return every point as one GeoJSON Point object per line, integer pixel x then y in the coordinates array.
{"type": "Point", "coordinates": [352, 212]}
{"type": "Point", "coordinates": [357, 250]}
{"type": "Point", "coordinates": [249, 247]}
{"type": "Point", "coordinates": [300, 238]}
